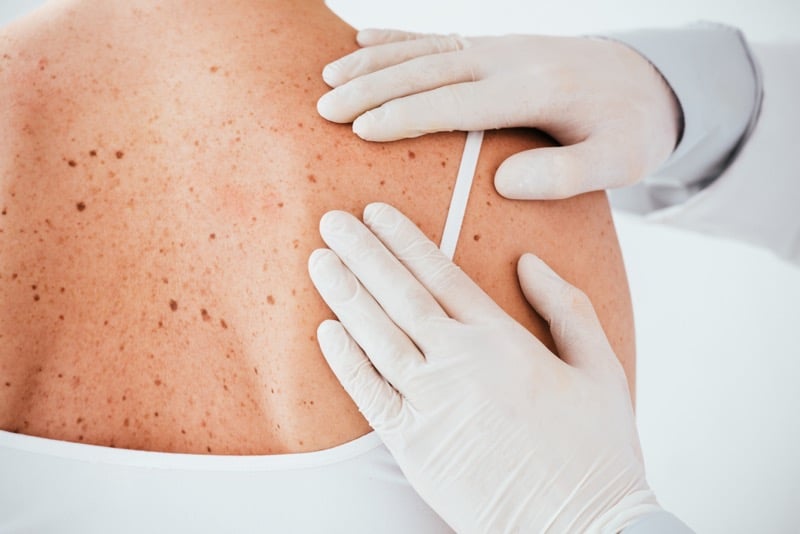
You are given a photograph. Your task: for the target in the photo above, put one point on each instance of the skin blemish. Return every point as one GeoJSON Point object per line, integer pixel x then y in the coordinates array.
{"type": "Point", "coordinates": [476, 237]}
{"type": "Point", "coordinates": [173, 304]}
{"type": "Point", "coordinates": [411, 154]}
{"type": "Point", "coordinates": [204, 314]}
{"type": "Point", "coordinates": [212, 237]}
{"type": "Point", "coordinates": [80, 206]}
{"type": "Point", "coordinates": [120, 154]}
{"type": "Point", "coordinates": [280, 204]}
{"type": "Point", "coordinates": [312, 178]}
{"type": "Point", "coordinates": [270, 299]}
{"type": "Point", "coordinates": [33, 287]}
{"type": "Point", "coordinates": [60, 317]}
{"type": "Point", "coordinates": [8, 384]}
{"type": "Point", "coordinates": [4, 211]}
{"type": "Point", "coordinates": [383, 182]}
{"type": "Point", "coordinates": [157, 381]}
{"type": "Point", "coordinates": [36, 298]}
{"type": "Point", "coordinates": [62, 290]}
{"type": "Point", "coordinates": [72, 163]}
{"type": "Point", "coordinates": [126, 422]}
{"type": "Point", "coordinates": [93, 153]}
{"type": "Point", "coordinates": [213, 69]}
{"type": "Point", "coordinates": [208, 449]}
{"type": "Point", "coordinates": [223, 324]}
{"type": "Point", "coordinates": [319, 157]}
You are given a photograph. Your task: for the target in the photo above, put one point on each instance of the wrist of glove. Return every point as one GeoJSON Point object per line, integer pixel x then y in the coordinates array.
{"type": "Point", "coordinates": [492, 429]}
{"type": "Point", "coordinates": [612, 111]}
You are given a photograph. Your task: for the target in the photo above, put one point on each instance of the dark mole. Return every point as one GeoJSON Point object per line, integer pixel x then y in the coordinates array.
{"type": "Point", "coordinates": [155, 413]}
{"type": "Point", "coordinates": [444, 164]}
{"type": "Point", "coordinates": [36, 298]}
{"type": "Point", "coordinates": [411, 154]}
{"type": "Point", "coordinates": [183, 431]}
{"type": "Point", "coordinates": [127, 422]}
{"type": "Point", "coordinates": [8, 384]}
{"type": "Point", "coordinates": [476, 237]}
{"type": "Point", "coordinates": [212, 236]}
{"type": "Point", "coordinates": [72, 163]}
{"type": "Point", "coordinates": [62, 290]}
{"type": "Point", "coordinates": [208, 449]}
{"type": "Point", "coordinates": [93, 153]}
{"type": "Point", "coordinates": [60, 375]}
{"type": "Point", "coordinates": [4, 211]}
{"type": "Point", "coordinates": [213, 69]}
{"type": "Point", "coordinates": [204, 314]}
{"type": "Point", "coordinates": [223, 324]}
{"type": "Point", "coordinates": [383, 182]}
{"type": "Point", "coordinates": [80, 438]}
{"type": "Point", "coordinates": [61, 317]}
{"type": "Point", "coordinates": [120, 154]}
{"type": "Point", "coordinates": [157, 381]}
{"type": "Point", "coordinates": [79, 420]}
{"type": "Point", "coordinates": [81, 206]}
{"type": "Point", "coordinates": [319, 157]}
{"type": "Point", "coordinates": [173, 304]}
{"type": "Point", "coordinates": [280, 204]}
{"type": "Point", "coordinates": [33, 287]}
{"type": "Point", "coordinates": [312, 178]}
{"type": "Point", "coordinates": [270, 299]}
{"type": "Point", "coordinates": [255, 370]}
{"type": "Point", "coordinates": [160, 324]}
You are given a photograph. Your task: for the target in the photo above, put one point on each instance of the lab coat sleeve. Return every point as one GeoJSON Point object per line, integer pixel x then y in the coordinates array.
{"type": "Point", "coordinates": [734, 172]}
{"type": "Point", "coordinates": [658, 523]}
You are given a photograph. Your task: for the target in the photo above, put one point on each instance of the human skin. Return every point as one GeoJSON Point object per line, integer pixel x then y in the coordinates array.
{"type": "Point", "coordinates": [162, 174]}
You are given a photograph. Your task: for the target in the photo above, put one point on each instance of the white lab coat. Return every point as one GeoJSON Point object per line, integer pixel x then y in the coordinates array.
{"type": "Point", "coordinates": [736, 171]}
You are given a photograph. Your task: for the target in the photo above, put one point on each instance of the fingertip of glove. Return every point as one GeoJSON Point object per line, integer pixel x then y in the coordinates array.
{"type": "Point", "coordinates": [317, 259]}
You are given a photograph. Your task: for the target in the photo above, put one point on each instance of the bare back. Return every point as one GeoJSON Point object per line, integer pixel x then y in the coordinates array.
{"type": "Point", "coordinates": [162, 175]}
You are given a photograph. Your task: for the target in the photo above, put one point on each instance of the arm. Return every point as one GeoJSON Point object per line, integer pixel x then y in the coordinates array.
{"type": "Point", "coordinates": [755, 196]}
{"type": "Point", "coordinates": [497, 82]}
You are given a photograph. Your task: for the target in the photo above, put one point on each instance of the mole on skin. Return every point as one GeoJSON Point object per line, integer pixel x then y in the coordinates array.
{"type": "Point", "coordinates": [173, 304]}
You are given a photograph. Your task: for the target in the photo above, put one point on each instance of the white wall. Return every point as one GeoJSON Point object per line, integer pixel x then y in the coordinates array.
{"type": "Point", "coordinates": [718, 322]}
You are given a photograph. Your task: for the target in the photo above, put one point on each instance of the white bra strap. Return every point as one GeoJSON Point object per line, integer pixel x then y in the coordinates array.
{"type": "Point", "coordinates": [458, 203]}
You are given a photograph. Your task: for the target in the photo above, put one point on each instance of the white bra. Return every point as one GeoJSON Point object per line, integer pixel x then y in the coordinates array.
{"type": "Point", "coordinates": [56, 486]}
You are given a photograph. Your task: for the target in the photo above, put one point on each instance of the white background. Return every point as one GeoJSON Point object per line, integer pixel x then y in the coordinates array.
{"type": "Point", "coordinates": [718, 322]}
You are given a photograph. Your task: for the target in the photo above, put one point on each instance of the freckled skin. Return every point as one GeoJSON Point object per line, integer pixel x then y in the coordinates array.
{"type": "Point", "coordinates": [174, 308]}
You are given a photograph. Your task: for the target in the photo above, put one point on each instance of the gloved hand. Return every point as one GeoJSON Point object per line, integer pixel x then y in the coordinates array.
{"type": "Point", "coordinates": [492, 429]}
{"type": "Point", "coordinates": [615, 115]}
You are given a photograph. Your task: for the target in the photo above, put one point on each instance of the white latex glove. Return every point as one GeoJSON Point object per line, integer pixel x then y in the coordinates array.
{"type": "Point", "coordinates": [615, 115]}
{"type": "Point", "coordinates": [492, 429]}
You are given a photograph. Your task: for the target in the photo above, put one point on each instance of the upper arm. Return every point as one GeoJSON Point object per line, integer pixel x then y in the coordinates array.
{"type": "Point", "coordinates": [575, 236]}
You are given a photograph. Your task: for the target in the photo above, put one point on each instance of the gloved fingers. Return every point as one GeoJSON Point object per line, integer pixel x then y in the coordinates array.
{"type": "Point", "coordinates": [375, 58]}
{"type": "Point", "coordinates": [461, 298]}
{"type": "Point", "coordinates": [377, 36]}
{"type": "Point", "coordinates": [574, 325]}
{"type": "Point", "coordinates": [348, 101]}
{"type": "Point", "coordinates": [391, 351]}
{"type": "Point", "coordinates": [405, 300]}
{"type": "Point", "coordinates": [460, 106]}
{"type": "Point", "coordinates": [561, 172]}
{"type": "Point", "coordinates": [377, 400]}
